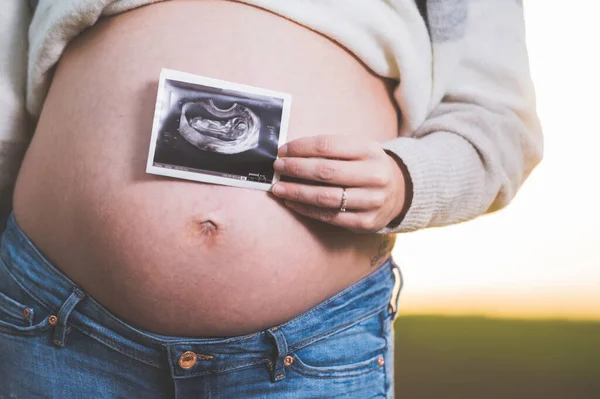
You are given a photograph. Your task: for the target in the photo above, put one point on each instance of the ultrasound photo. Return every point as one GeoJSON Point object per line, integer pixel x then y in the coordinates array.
{"type": "Point", "coordinates": [215, 131]}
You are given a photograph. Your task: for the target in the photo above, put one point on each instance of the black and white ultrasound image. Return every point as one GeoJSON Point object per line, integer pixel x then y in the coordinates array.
{"type": "Point", "coordinates": [218, 131]}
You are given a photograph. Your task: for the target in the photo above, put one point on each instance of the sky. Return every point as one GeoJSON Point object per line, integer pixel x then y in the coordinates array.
{"type": "Point", "coordinates": [540, 256]}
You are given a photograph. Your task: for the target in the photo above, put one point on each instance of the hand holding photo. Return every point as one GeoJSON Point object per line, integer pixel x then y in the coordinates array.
{"type": "Point", "coordinates": [215, 131]}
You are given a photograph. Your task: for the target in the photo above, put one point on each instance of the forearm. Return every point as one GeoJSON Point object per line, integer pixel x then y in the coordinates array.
{"type": "Point", "coordinates": [482, 138]}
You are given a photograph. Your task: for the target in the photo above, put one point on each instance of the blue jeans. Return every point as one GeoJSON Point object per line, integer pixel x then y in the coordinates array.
{"type": "Point", "coordinates": [58, 342]}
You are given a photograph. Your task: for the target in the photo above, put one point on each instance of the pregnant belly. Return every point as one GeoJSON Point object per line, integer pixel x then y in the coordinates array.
{"type": "Point", "coordinates": [180, 257]}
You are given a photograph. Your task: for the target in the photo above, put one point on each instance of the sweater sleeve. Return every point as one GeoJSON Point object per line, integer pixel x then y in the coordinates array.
{"type": "Point", "coordinates": [14, 126]}
{"type": "Point", "coordinates": [482, 137]}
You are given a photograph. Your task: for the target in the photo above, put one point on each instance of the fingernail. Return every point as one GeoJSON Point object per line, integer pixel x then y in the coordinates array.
{"type": "Point", "coordinates": [282, 150]}
{"type": "Point", "coordinates": [278, 164]}
{"type": "Point", "coordinates": [278, 189]}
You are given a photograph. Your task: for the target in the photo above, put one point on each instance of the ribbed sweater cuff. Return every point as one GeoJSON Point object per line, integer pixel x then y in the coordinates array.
{"type": "Point", "coordinates": [447, 179]}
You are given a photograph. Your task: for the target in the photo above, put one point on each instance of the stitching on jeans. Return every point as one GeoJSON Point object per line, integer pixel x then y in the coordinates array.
{"type": "Point", "coordinates": [219, 342]}
{"type": "Point", "coordinates": [228, 368]}
{"type": "Point", "coordinates": [236, 369]}
{"type": "Point", "coordinates": [235, 366]}
{"type": "Point", "coordinates": [15, 311]}
{"type": "Point", "coordinates": [20, 235]}
{"type": "Point", "coordinates": [12, 330]}
{"type": "Point", "coordinates": [309, 341]}
{"type": "Point", "coordinates": [384, 318]}
{"type": "Point", "coordinates": [113, 346]}
{"type": "Point", "coordinates": [18, 282]}
{"type": "Point", "coordinates": [118, 349]}
{"type": "Point", "coordinates": [334, 370]}
{"type": "Point", "coordinates": [26, 288]}
{"type": "Point", "coordinates": [299, 371]}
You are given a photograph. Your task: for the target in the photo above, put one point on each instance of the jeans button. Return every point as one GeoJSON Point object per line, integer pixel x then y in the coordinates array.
{"type": "Point", "coordinates": [187, 360]}
{"type": "Point", "coordinates": [288, 360]}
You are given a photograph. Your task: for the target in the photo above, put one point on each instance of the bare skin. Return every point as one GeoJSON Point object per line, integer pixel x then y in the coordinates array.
{"type": "Point", "coordinates": [179, 257]}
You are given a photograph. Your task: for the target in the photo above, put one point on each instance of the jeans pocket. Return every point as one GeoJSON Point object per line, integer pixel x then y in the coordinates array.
{"type": "Point", "coordinates": [349, 370]}
{"type": "Point", "coordinates": [20, 314]}
{"type": "Point", "coordinates": [13, 312]}
{"type": "Point", "coordinates": [346, 353]}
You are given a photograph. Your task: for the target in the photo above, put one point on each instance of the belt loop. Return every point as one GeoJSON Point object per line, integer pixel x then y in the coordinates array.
{"type": "Point", "coordinates": [278, 371]}
{"type": "Point", "coordinates": [398, 282]}
{"type": "Point", "coordinates": [63, 314]}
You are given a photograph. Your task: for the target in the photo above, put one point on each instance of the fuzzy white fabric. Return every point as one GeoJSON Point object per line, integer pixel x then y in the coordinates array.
{"type": "Point", "coordinates": [469, 133]}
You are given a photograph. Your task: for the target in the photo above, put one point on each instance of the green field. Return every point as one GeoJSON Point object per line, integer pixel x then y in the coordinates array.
{"type": "Point", "coordinates": [476, 357]}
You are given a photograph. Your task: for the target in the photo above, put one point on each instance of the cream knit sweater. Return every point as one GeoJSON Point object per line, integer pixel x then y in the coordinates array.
{"type": "Point", "coordinates": [469, 132]}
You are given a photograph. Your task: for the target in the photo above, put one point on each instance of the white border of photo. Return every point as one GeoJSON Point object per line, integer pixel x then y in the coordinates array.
{"type": "Point", "coordinates": [217, 83]}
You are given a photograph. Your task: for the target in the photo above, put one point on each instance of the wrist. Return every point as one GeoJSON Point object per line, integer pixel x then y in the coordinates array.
{"type": "Point", "coordinates": [404, 199]}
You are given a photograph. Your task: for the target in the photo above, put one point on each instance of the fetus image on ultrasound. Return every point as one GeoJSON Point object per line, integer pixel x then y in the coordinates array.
{"type": "Point", "coordinates": [226, 131]}
{"type": "Point", "coordinates": [214, 131]}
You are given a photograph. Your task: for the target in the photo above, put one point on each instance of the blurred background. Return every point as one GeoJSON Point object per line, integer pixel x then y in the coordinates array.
{"type": "Point", "coordinates": [508, 305]}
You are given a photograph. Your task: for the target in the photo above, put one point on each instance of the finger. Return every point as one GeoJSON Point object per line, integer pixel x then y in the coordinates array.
{"type": "Point", "coordinates": [329, 197]}
{"type": "Point", "coordinates": [330, 146]}
{"type": "Point", "coordinates": [359, 221]}
{"type": "Point", "coordinates": [343, 173]}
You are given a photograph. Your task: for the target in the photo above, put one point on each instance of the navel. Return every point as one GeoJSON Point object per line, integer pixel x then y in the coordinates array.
{"type": "Point", "coordinates": [205, 230]}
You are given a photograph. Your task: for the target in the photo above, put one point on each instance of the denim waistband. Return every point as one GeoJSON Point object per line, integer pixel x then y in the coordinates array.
{"type": "Point", "coordinates": [56, 292]}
